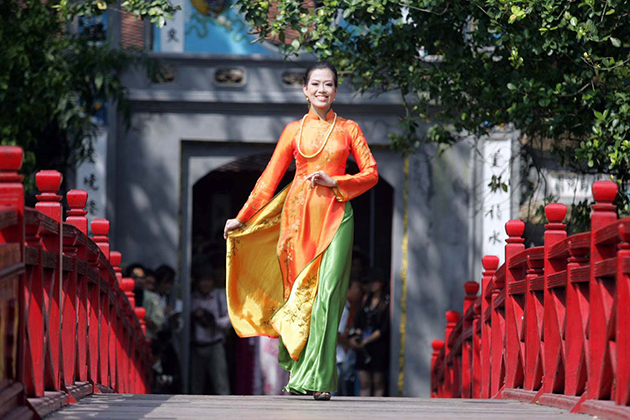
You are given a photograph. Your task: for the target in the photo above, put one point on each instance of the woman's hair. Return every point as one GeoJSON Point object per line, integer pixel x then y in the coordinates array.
{"type": "Point", "coordinates": [164, 274]}
{"type": "Point", "coordinates": [316, 66]}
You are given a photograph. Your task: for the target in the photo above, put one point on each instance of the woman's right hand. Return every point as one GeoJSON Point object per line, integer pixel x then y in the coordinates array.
{"type": "Point", "coordinates": [230, 225]}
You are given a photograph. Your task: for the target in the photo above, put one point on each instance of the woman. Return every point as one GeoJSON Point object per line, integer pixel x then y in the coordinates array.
{"type": "Point", "coordinates": [288, 258]}
{"type": "Point", "coordinates": [371, 337]}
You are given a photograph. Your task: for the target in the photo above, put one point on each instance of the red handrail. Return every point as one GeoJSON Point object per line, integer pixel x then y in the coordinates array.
{"type": "Point", "coordinates": [552, 324]}
{"type": "Point", "coordinates": [69, 329]}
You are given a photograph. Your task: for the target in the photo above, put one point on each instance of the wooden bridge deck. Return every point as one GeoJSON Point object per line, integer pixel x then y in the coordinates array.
{"type": "Point", "coordinates": [123, 407]}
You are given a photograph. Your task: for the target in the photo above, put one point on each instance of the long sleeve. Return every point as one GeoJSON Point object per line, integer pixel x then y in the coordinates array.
{"type": "Point", "coordinates": [268, 182]}
{"type": "Point", "coordinates": [351, 186]}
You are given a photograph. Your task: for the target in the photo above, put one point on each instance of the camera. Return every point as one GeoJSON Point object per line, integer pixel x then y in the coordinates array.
{"type": "Point", "coordinates": [353, 334]}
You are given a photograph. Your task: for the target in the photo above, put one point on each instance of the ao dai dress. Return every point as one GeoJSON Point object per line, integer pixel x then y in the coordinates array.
{"type": "Point", "coordinates": [288, 266]}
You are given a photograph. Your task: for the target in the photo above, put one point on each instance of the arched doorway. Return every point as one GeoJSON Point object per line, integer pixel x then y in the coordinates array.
{"type": "Point", "coordinates": [220, 194]}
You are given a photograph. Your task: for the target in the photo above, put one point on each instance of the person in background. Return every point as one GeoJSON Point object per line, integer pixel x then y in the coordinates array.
{"type": "Point", "coordinates": [210, 322]}
{"type": "Point", "coordinates": [136, 271]}
{"type": "Point", "coordinates": [346, 356]}
{"type": "Point", "coordinates": [149, 280]}
{"type": "Point", "coordinates": [164, 282]}
{"type": "Point", "coordinates": [168, 371]}
{"type": "Point", "coordinates": [155, 317]}
{"type": "Point", "coordinates": [371, 337]}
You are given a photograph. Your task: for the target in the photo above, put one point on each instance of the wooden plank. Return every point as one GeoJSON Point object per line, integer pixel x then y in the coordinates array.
{"type": "Point", "coordinates": [123, 407]}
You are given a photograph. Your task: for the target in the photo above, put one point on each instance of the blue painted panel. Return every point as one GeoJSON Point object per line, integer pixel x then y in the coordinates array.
{"type": "Point", "coordinates": [213, 26]}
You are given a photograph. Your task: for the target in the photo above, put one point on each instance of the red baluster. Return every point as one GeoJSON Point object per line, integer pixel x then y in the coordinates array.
{"type": "Point", "coordinates": [12, 192]}
{"type": "Point", "coordinates": [31, 327]}
{"type": "Point", "coordinates": [514, 306]}
{"type": "Point", "coordinates": [127, 285]}
{"type": "Point", "coordinates": [555, 303]}
{"type": "Point", "coordinates": [497, 307]}
{"type": "Point", "coordinates": [578, 283]}
{"type": "Point", "coordinates": [69, 326]}
{"type": "Point", "coordinates": [451, 320]}
{"type": "Point", "coordinates": [471, 289]}
{"type": "Point", "coordinates": [140, 313]}
{"type": "Point", "coordinates": [100, 229]}
{"type": "Point", "coordinates": [129, 344]}
{"type": "Point", "coordinates": [94, 316]}
{"type": "Point", "coordinates": [14, 294]}
{"type": "Point", "coordinates": [534, 312]}
{"type": "Point", "coordinates": [49, 205]}
{"type": "Point", "coordinates": [115, 258]}
{"type": "Point", "coordinates": [476, 351]}
{"type": "Point", "coordinates": [602, 295]}
{"type": "Point", "coordinates": [140, 352]}
{"type": "Point", "coordinates": [77, 200]}
{"type": "Point", "coordinates": [622, 396]}
{"type": "Point", "coordinates": [435, 386]}
{"type": "Point", "coordinates": [490, 264]}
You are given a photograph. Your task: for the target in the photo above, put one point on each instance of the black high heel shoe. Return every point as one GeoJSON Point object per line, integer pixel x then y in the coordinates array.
{"type": "Point", "coordinates": [321, 396]}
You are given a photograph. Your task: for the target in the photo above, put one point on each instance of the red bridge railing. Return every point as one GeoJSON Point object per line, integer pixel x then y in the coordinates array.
{"type": "Point", "coordinates": [68, 322]}
{"type": "Point", "coordinates": [552, 324]}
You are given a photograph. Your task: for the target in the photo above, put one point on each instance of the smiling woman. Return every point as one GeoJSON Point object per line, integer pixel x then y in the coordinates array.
{"type": "Point", "coordinates": [289, 256]}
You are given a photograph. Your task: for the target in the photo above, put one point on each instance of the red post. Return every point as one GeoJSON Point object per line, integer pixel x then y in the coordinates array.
{"type": "Point", "coordinates": [497, 345]}
{"type": "Point", "coordinates": [476, 351]}
{"type": "Point", "coordinates": [129, 344]}
{"type": "Point", "coordinates": [514, 306]}
{"type": "Point", "coordinates": [437, 346]}
{"type": "Point", "coordinates": [490, 264]}
{"type": "Point", "coordinates": [555, 303]}
{"type": "Point", "coordinates": [49, 205]}
{"type": "Point", "coordinates": [138, 359]}
{"type": "Point", "coordinates": [115, 258]}
{"type": "Point", "coordinates": [578, 283]}
{"type": "Point", "coordinates": [100, 229]}
{"type": "Point", "coordinates": [471, 289]}
{"type": "Point", "coordinates": [14, 296]}
{"type": "Point", "coordinates": [451, 320]}
{"type": "Point", "coordinates": [70, 308]}
{"type": "Point", "coordinates": [534, 312]}
{"type": "Point", "coordinates": [77, 200]}
{"type": "Point", "coordinates": [601, 374]}
{"type": "Point", "coordinates": [622, 395]}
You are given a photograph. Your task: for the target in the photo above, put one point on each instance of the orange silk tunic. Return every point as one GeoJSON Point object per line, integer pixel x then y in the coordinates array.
{"type": "Point", "coordinates": [309, 216]}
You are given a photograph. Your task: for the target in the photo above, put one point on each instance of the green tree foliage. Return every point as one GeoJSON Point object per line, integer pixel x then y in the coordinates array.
{"type": "Point", "coordinates": [558, 70]}
{"type": "Point", "coordinates": [156, 11]}
{"type": "Point", "coordinates": [52, 83]}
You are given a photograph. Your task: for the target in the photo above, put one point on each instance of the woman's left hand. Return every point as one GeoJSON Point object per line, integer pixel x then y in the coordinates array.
{"type": "Point", "coordinates": [320, 178]}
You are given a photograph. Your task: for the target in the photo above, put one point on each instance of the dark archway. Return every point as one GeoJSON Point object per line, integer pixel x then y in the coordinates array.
{"type": "Point", "coordinates": [221, 193]}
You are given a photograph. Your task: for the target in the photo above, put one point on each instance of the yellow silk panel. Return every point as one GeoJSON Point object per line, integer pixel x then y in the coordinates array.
{"type": "Point", "coordinates": [293, 319]}
{"type": "Point", "coordinates": [254, 280]}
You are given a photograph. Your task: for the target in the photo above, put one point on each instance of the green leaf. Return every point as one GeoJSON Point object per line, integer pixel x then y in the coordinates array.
{"type": "Point", "coordinates": [615, 42]}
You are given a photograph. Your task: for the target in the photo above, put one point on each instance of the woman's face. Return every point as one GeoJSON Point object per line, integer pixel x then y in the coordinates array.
{"type": "Point", "coordinates": [376, 286]}
{"type": "Point", "coordinates": [320, 89]}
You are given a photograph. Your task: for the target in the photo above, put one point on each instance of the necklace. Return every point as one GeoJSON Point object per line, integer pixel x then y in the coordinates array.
{"type": "Point", "coordinates": [332, 126]}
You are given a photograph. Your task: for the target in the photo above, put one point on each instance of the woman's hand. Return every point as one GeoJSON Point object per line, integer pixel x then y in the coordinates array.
{"type": "Point", "coordinates": [230, 225]}
{"type": "Point", "coordinates": [321, 178]}
{"type": "Point", "coordinates": [354, 343]}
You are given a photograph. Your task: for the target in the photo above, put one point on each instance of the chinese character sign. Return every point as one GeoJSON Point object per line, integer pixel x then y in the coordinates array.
{"type": "Point", "coordinates": [91, 177]}
{"type": "Point", "coordinates": [496, 205]}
